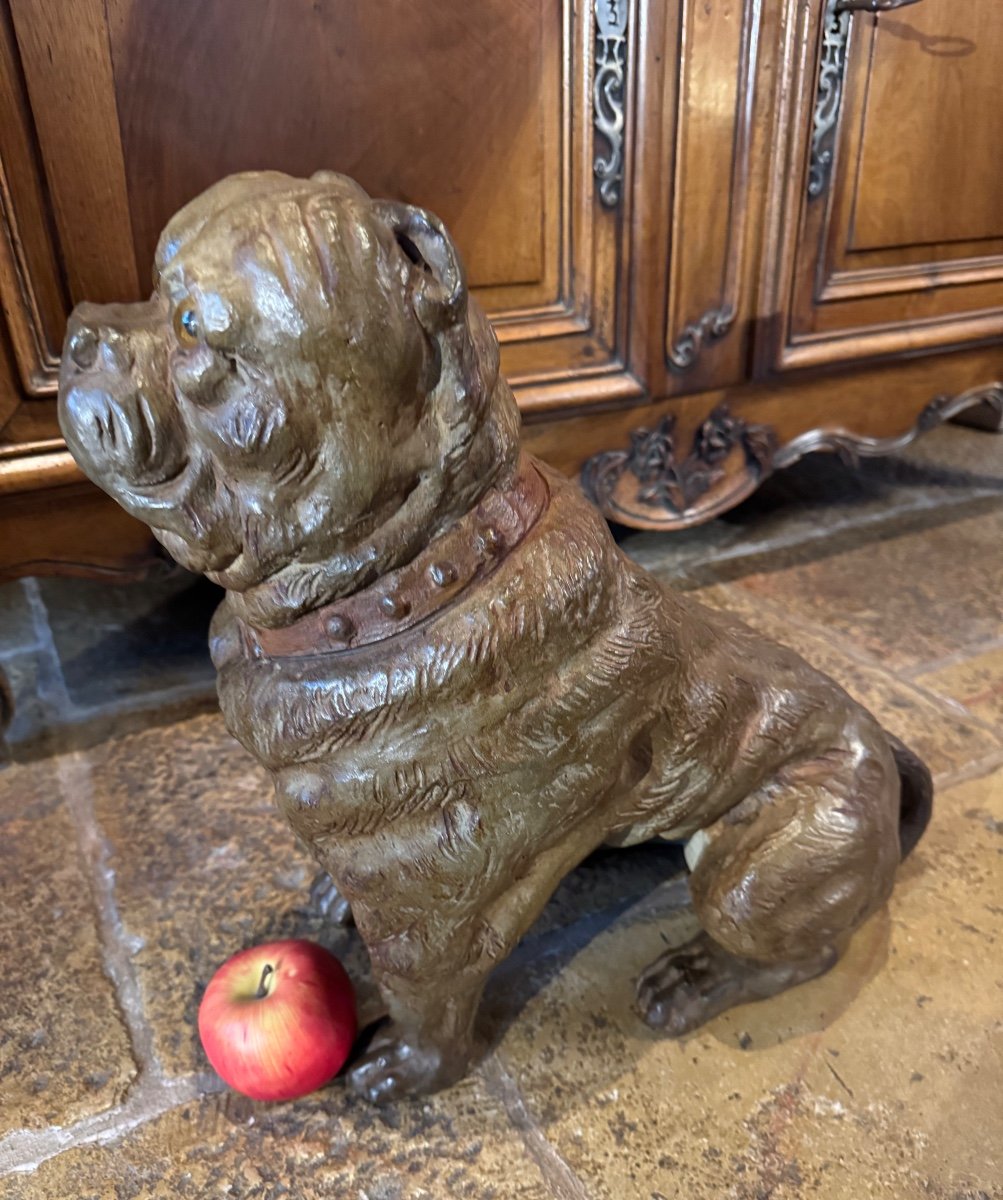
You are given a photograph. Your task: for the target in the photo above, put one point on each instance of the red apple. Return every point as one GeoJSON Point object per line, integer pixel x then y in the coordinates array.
{"type": "Point", "coordinates": [277, 1021]}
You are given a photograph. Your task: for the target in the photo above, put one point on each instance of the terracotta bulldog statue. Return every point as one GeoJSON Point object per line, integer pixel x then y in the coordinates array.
{"type": "Point", "coordinates": [459, 684]}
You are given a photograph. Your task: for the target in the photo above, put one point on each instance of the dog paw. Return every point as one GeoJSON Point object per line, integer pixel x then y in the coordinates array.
{"type": "Point", "coordinates": [393, 1067]}
{"type": "Point", "coordinates": [328, 901]}
{"type": "Point", "coordinates": [685, 988]}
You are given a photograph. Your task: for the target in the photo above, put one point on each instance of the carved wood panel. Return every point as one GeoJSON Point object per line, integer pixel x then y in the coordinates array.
{"type": "Point", "coordinates": [512, 119]}
{"type": "Point", "coordinates": [31, 289]}
{"type": "Point", "coordinates": [714, 50]}
{"type": "Point", "coordinates": [888, 222]}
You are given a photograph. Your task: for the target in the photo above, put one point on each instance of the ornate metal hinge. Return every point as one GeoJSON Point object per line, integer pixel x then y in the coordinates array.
{"type": "Point", "coordinates": [835, 30]}
{"type": "Point", "coordinates": [608, 95]}
{"type": "Point", "coordinates": [835, 36]}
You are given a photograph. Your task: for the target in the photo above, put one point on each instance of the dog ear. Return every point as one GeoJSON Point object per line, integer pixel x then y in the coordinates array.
{"type": "Point", "coordinates": [440, 294]}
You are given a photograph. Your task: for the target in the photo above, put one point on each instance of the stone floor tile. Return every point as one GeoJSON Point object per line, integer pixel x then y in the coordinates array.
{"type": "Point", "coordinates": [30, 726]}
{"type": "Point", "coordinates": [325, 1147]}
{"type": "Point", "coordinates": [17, 623]}
{"type": "Point", "coordinates": [204, 866]}
{"type": "Point", "coordinates": [975, 682]}
{"type": "Point", "coordinates": [64, 1050]}
{"type": "Point", "coordinates": [904, 600]}
{"type": "Point", "coordinates": [120, 642]}
{"type": "Point", "coordinates": [947, 741]}
{"type": "Point", "coordinates": [949, 467]}
{"type": "Point", "coordinates": [958, 454]}
{"type": "Point", "coordinates": [82, 729]}
{"type": "Point", "coordinates": [880, 1079]}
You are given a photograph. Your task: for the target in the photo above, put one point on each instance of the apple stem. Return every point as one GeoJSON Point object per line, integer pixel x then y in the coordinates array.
{"type": "Point", "coordinates": [262, 991]}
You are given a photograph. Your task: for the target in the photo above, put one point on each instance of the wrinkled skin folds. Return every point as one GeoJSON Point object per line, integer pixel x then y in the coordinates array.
{"type": "Point", "coordinates": [309, 409]}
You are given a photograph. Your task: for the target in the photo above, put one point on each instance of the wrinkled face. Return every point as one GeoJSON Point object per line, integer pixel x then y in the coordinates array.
{"type": "Point", "coordinates": [268, 403]}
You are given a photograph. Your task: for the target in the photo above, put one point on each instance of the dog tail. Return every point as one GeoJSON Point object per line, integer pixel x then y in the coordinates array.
{"type": "Point", "coordinates": [916, 806]}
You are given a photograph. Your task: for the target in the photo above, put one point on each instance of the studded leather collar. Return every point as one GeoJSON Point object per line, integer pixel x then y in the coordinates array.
{"type": "Point", "coordinates": [469, 551]}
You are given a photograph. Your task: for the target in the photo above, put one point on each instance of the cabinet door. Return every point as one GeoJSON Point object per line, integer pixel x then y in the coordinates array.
{"type": "Point", "coordinates": [889, 213]}
{"type": "Point", "coordinates": [31, 288]}
{"type": "Point", "coordinates": [485, 113]}
{"type": "Point", "coordinates": [715, 59]}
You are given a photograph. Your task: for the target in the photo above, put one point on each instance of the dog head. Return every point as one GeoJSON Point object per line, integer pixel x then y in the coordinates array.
{"type": "Point", "coordinates": [308, 397]}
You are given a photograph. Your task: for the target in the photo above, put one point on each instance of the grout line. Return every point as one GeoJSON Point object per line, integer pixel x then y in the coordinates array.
{"type": "Point", "coordinates": [11, 656]}
{"type": "Point", "coordinates": [755, 557]}
{"type": "Point", "coordinates": [554, 1168]}
{"type": "Point", "coordinates": [75, 778]}
{"type": "Point", "coordinates": [25, 1150]}
{"type": "Point", "coordinates": [175, 694]}
{"type": "Point", "coordinates": [952, 660]}
{"type": "Point", "coordinates": [52, 689]}
{"type": "Point", "coordinates": [948, 704]}
{"type": "Point", "coordinates": [56, 695]}
{"type": "Point", "coordinates": [973, 770]}
{"type": "Point", "coordinates": [945, 704]}
{"type": "Point", "coordinates": [76, 785]}
{"type": "Point", "coordinates": [11, 649]}
{"type": "Point", "coordinates": [749, 549]}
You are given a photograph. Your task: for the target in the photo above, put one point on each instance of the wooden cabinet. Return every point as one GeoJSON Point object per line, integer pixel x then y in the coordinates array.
{"type": "Point", "coordinates": [893, 240]}
{"type": "Point", "coordinates": [711, 234]}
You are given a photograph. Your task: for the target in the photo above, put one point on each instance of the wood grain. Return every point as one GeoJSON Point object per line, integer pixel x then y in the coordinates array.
{"type": "Point", "coordinates": [73, 530]}
{"type": "Point", "coordinates": [803, 315]}
{"type": "Point", "coordinates": [903, 252]}
{"type": "Point", "coordinates": [67, 63]}
{"type": "Point", "coordinates": [31, 284]}
{"type": "Point", "coordinates": [934, 71]}
{"type": "Point", "coordinates": [706, 300]}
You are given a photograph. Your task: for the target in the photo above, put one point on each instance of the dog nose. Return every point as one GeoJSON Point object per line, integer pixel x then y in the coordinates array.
{"type": "Point", "coordinates": [90, 345]}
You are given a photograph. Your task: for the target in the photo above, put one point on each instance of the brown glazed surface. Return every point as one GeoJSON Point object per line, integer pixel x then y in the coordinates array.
{"type": "Point", "coordinates": [459, 683]}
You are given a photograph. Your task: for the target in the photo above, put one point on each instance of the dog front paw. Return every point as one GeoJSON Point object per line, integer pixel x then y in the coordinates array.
{"type": "Point", "coordinates": [394, 1066]}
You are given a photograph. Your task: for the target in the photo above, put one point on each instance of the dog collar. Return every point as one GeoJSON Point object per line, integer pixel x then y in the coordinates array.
{"type": "Point", "coordinates": [467, 552]}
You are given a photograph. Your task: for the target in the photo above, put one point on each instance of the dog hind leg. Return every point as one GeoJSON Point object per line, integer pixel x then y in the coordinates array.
{"type": "Point", "coordinates": [780, 883]}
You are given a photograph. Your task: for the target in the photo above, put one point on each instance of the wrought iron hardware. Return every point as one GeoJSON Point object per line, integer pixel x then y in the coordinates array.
{"type": "Point", "coordinates": [712, 326]}
{"type": "Point", "coordinates": [835, 33]}
{"type": "Point", "coordinates": [608, 90]}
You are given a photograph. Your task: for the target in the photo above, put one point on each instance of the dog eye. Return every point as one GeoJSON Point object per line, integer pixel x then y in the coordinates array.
{"type": "Point", "coordinates": [186, 325]}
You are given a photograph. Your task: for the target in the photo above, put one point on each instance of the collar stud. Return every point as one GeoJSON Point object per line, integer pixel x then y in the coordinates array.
{"type": "Point", "coordinates": [442, 574]}
{"type": "Point", "coordinates": [394, 606]}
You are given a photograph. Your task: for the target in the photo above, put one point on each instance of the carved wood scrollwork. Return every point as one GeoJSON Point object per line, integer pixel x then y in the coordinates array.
{"type": "Point", "coordinates": [654, 485]}
{"type": "Point", "coordinates": [853, 447]}
{"type": "Point", "coordinates": [608, 91]}
{"type": "Point", "coordinates": [711, 326]}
